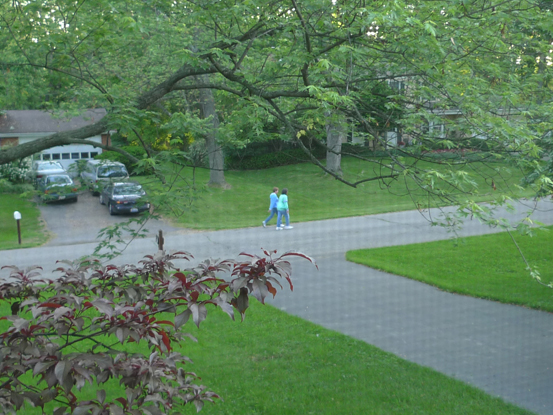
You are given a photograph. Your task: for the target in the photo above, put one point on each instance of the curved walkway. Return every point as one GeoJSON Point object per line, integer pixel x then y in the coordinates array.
{"type": "Point", "coordinates": [502, 349]}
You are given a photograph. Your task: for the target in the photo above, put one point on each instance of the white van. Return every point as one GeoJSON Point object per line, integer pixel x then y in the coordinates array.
{"type": "Point", "coordinates": [97, 173]}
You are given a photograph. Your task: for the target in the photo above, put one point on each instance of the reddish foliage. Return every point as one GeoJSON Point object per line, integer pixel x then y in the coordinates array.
{"type": "Point", "coordinates": [51, 316]}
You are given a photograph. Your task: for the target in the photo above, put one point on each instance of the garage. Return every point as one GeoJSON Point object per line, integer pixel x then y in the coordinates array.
{"type": "Point", "coordinates": [23, 126]}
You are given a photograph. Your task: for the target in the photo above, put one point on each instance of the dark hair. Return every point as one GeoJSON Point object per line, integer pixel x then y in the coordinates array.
{"type": "Point", "coordinates": [284, 191]}
{"type": "Point", "coordinates": [275, 189]}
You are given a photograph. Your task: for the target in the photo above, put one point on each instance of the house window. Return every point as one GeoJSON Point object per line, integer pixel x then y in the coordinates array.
{"type": "Point", "coordinates": [46, 156]}
{"type": "Point", "coordinates": [437, 130]}
{"type": "Point", "coordinates": [84, 155]}
{"type": "Point", "coordinates": [65, 156]}
{"type": "Point", "coordinates": [93, 154]}
{"type": "Point", "coordinates": [75, 156]}
{"type": "Point", "coordinates": [397, 85]}
{"type": "Point", "coordinates": [425, 128]}
{"type": "Point", "coordinates": [56, 156]}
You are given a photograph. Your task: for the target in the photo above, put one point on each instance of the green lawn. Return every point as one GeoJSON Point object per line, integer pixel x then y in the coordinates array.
{"type": "Point", "coordinates": [488, 266]}
{"type": "Point", "coordinates": [316, 196]}
{"type": "Point", "coordinates": [275, 364]}
{"type": "Point", "coordinates": [312, 195]}
{"type": "Point", "coordinates": [32, 230]}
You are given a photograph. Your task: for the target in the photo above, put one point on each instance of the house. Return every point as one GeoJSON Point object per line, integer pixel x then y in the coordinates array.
{"type": "Point", "coordinates": [21, 126]}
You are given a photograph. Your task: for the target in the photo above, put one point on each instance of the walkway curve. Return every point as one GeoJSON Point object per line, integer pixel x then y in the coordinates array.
{"type": "Point", "coordinates": [502, 349]}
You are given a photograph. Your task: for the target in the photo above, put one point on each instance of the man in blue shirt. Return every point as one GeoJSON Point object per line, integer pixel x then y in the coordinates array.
{"type": "Point", "coordinates": [272, 206]}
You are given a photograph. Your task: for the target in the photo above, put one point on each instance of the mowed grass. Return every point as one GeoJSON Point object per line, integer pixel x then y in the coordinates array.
{"type": "Point", "coordinates": [274, 363]}
{"type": "Point", "coordinates": [32, 230]}
{"type": "Point", "coordinates": [314, 195]}
{"type": "Point", "coordinates": [488, 266]}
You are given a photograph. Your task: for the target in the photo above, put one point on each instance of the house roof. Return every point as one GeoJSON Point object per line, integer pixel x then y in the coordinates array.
{"type": "Point", "coordinates": [35, 121]}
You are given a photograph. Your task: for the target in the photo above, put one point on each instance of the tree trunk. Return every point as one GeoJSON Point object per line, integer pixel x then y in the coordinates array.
{"type": "Point", "coordinates": [214, 150]}
{"type": "Point", "coordinates": [334, 137]}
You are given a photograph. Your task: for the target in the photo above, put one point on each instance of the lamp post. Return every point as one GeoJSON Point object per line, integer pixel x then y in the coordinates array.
{"type": "Point", "coordinates": [17, 217]}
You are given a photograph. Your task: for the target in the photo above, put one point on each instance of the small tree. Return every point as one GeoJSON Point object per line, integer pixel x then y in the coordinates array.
{"type": "Point", "coordinates": [73, 331]}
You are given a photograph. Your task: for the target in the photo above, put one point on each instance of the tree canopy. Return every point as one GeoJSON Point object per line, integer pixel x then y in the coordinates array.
{"type": "Point", "coordinates": [410, 77]}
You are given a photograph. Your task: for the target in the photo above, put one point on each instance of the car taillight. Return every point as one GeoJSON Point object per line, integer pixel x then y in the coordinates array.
{"type": "Point", "coordinates": [39, 176]}
{"type": "Point", "coordinates": [74, 189]}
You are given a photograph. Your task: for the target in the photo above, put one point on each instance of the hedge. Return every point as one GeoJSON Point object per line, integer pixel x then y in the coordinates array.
{"type": "Point", "coordinates": [268, 160]}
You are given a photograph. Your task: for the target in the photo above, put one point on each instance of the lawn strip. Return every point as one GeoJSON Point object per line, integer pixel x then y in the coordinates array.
{"type": "Point", "coordinates": [316, 196]}
{"type": "Point", "coordinates": [487, 266]}
{"type": "Point", "coordinates": [274, 363]}
{"type": "Point", "coordinates": [32, 229]}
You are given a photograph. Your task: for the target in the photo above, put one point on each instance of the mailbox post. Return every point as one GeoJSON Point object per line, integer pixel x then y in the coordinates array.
{"type": "Point", "coordinates": [17, 217]}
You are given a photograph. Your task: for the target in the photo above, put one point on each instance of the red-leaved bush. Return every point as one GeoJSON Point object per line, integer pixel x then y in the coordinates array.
{"type": "Point", "coordinates": [73, 331]}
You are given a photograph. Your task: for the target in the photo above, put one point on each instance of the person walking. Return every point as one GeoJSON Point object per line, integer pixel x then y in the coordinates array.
{"type": "Point", "coordinates": [282, 208]}
{"type": "Point", "coordinates": [272, 206]}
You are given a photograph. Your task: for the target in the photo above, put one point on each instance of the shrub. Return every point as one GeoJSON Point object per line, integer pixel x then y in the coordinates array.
{"type": "Point", "coordinates": [361, 150]}
{"type": "Point", "coordinates": [268, 160]}
{"type": "Point", "coordinates": [72, 332]}
{"type": "Point", "coordinates": [478, 144]}
{"type": "Point", "coordinates": [17, 188]}
{"type": "Point", "coordinates": [76, 168]}
{"type": "Point", "coordinates": [16, 171]}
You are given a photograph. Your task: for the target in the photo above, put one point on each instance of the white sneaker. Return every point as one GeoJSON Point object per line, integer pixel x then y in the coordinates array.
{"type": "Point", "coordinates": [264, 224]}
{"type": "Point", "coordinates": [279, 228]}
{"type": "Point", "coordinates": [288, 227]}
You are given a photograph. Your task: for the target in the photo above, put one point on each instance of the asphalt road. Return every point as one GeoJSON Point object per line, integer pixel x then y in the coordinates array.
{"type": "Point", "coordinates": [502, 349]}
{"type": "Point", "coordinates": [76, 223]}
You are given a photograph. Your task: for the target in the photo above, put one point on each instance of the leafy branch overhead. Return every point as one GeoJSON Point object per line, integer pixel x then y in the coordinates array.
{"type": "Point", "coordinates": [434, 74]}
{"type": "Point", "coordinates": [74, 331]}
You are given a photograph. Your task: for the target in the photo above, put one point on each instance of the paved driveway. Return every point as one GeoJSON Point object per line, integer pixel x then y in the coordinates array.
{"type": "Point", "coordinates": [76, 223]}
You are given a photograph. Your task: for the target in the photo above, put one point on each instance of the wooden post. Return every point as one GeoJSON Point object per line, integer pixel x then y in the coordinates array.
{"type": "Point", "coordinates": [160, 240]}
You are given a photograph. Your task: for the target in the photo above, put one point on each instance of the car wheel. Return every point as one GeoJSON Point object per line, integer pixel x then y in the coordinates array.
{"type": "Point", "coordinates": [102, 200]}
{"type": "Point", "coordinates": [111, 210]}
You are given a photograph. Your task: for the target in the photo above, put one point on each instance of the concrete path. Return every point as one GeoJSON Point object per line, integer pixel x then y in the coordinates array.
{"type": "Point", "coordinates": [504, 350]}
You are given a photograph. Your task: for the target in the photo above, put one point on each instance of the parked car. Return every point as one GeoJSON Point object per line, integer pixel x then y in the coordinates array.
{"type": "Point", "coordinates": [40, 169]}
{"type": "Point", "coordinates": [57, 187]}
{"type": "Point", "coordinates": [124, 197]}
{"type": "Point", "coordinates": [99, 173]}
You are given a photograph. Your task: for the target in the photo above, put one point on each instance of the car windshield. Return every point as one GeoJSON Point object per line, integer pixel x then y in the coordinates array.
{"type": "Point", "coordinates": [112, 171]}
{"type": "Point", "coordinates": [50, 166]}
{"type": "Point", "coordinates": [128, 189]}
{"type": "Point", "coordinates": [58, 180]}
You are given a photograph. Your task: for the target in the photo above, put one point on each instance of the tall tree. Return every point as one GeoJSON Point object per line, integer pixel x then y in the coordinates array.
{"type": "Point", "coordinates": [214, 150]}
{"type": "Point", "coordinates": [335, 135]}
{"type": "Point", "coordinates": [466, 70]}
